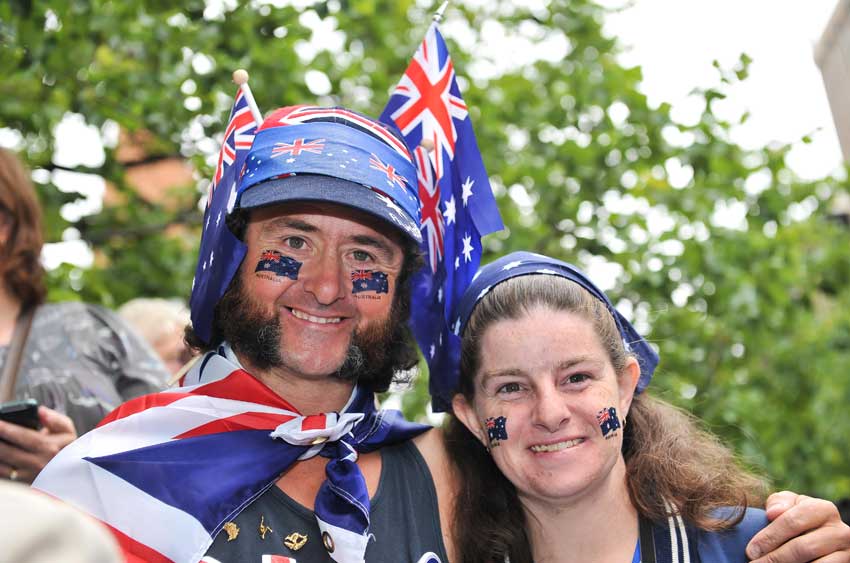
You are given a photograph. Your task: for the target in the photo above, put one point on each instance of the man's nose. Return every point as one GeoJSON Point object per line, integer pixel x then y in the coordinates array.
{"type": "Point", "coordinates": [326, 279]}
{"type": "Point", "coordinates": [551, 411]}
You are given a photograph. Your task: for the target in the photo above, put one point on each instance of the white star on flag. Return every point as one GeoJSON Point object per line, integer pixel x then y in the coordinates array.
{"type": "Point", "coordinates": [467, 248]}
{"type": "Point", "coordinates": [440, 295]}
{"type": "Point", "coordinates": [457, 262]}
{"type": "Point", "coordinates": [511, 265]}
{"type": "Point", "coordinates": [212, 257]}
{"type": "Point", "coordinates": [456, 328]}
{"type": "Point", "coordinates": [218, 219]}
{"type": "Point", "coordinates": [290, 160]}
{"type": "Point", "coordinates": [433, 349]}
{"type": "Point", "coordinates": [467, 190]}
{"type": "Point", "coordinates": [449, 213]}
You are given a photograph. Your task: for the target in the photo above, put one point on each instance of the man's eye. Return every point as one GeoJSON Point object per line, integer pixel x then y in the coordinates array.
{"type": "Point", "coordinates": [509, 388]}
{"type": "Point", "coordinates": [296, 243]}
{"type": "Point", "coordinates": [361, 255]}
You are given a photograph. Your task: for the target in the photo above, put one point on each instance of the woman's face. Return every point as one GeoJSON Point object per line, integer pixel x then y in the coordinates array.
{"type": "Point", "coordinates": [549, 404]}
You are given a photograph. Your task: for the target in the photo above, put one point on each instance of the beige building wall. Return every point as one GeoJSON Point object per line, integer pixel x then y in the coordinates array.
{"type": "Point", "coordinates": [832, 55]}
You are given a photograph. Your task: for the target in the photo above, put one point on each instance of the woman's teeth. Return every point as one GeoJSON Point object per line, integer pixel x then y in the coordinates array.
{"type": "Point", "coordinates": [557, 447]}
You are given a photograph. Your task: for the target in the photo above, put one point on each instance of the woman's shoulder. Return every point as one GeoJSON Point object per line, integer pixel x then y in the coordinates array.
{"type": "Point", "coordinates": [729, 545]}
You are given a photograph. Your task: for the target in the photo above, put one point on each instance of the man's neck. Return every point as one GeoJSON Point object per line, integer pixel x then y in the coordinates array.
{"type": "Point", "coordinates": [10, 307]}
{"type": "Point", "coordinates": [308, 395]}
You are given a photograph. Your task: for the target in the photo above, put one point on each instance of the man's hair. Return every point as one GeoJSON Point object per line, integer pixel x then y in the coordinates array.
{"type": "Point", "coordinates": [20, 214]}
{"type": "Point", "coordinates": [668, 456]}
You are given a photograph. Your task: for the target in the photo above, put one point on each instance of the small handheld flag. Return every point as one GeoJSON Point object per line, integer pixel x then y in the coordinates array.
{"type": "Point", "coordinates": [458, 206]}
{"type": "Point", "coordinates": [221, 252]}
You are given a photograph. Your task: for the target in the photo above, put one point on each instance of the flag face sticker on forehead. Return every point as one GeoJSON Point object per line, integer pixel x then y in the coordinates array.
{"type": "Point", "coordinates": [458, 206]}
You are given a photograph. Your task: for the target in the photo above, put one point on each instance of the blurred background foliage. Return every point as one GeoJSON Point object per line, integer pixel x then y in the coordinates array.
{"type": "Point", "coordinates": [737, 268]}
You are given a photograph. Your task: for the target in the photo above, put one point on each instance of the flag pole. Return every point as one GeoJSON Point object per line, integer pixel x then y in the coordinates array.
{"type": "Point", "coordinates": [438, 15]}
{"type": "Point", "coordinates": [240, 77]}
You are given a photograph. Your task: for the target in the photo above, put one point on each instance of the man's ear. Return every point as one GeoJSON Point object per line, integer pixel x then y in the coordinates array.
{"type": "Point", "coordinates": [627, 382]}
{"type": "Point", "coordinates": [465, 412]}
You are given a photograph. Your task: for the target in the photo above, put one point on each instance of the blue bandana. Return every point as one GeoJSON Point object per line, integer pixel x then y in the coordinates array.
{"type": "Point", "coordinates": [525, 264]}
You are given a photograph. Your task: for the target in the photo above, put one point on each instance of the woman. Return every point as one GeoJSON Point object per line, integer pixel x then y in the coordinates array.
{"type": "Point", "coordinates": [561, 457]}
{"type": "Point", "coordinates": [78, 361]}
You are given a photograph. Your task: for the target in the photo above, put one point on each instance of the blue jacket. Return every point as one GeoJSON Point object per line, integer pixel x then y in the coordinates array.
{"type": "Point", "coordinates": [728, 546]}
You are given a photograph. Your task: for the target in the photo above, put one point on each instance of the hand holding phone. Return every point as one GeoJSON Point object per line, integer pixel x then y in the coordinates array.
{"type": "Point", "coordinates": [24, 450]}
{"type": "Point", "coordinates": [22, 413]}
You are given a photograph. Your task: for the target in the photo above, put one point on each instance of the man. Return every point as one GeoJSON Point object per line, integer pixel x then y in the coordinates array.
{"type": "Point", "coordinates": [274, 451]}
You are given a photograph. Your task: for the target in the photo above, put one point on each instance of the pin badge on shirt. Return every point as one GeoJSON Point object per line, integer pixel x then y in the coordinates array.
{"type": "Point", "coordinates": [295, 541]}
{"type": "Point", "coordinates": [274, 265]}
{"type": "Point", "coordinates": [263, 528]}
{"type": "Point", "coordinates": [496, 430]}
{"type": "Point", "coordinates": [231, 529]}
{"type": "Point", "coordinates": [608, 422]}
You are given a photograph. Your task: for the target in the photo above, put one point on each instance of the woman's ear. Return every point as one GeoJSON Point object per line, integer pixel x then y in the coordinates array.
{"type": "Point", "coordinates": [465, 412]}
{"type": "Point", "coordinates": [627, 382]}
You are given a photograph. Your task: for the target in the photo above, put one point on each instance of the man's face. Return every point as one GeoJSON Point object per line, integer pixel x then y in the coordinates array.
{"type": "Point", "coordinates": [316, 289]}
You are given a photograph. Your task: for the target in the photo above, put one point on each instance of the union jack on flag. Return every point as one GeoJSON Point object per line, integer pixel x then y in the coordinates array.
{"type": "Point", "coordinates": [457, 204]}
{"type": "Point", "coordinates": [298, 146]}
{"type": "Point", "coordinates": [221, 252]}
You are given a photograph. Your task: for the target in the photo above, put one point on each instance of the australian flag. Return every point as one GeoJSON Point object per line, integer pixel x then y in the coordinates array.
{"type": "Point", "coordinates": [458, 206]}
{"type": "Point", "coordinates": [276, 263]}
{"type": "Point", "coordinates": [496, 430]}
{"type": "Point", "coordinates": [221, 252]}
{"type": "Point", "coordinates": [608, 421]}
{"type": "Point", "coordinates": [369, 280]}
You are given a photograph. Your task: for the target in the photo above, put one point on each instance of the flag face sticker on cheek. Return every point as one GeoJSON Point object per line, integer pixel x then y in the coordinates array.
{"type": "Point", "coordinates": [496, 430]}
{"type": "Point", "coordinates": [274, 265]}
{"type": "Point", "coordinates": [608, 422]}
{"type": "Point", "coordinates": [369, 281]}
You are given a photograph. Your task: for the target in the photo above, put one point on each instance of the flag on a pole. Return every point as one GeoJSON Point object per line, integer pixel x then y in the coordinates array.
{"type": "Point", "coordinates": [458, 206]}
{"type": "Point", "coordinates": [221, 252]}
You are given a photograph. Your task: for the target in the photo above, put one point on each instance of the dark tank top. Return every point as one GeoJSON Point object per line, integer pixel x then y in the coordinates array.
{"type": "Point", "coordinates": [405, 520]}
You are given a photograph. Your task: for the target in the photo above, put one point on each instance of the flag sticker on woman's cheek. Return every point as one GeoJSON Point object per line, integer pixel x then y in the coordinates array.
{"type": "Point", "coordinates": [496, 430]}
{"type": "Point", "coordinates": [369, 282]}
{"type": "Point", "coordinates": [273, 265]}
{"type": "Point", "coordinates": [608, 422]}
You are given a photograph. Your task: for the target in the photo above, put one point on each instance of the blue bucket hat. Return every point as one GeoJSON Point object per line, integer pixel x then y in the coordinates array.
{"type": "Point", "coordinates": [527, 264]}
{"type": "Point", "coordinates": [307, 153]}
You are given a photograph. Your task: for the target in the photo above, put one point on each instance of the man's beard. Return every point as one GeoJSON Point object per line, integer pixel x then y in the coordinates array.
{"type": "Point", "coordinates": [257, 335]}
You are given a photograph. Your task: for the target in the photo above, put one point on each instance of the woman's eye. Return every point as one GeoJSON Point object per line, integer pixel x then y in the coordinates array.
{"type": "Point", "coordinates": [361, 255]}
{"type": "Point", "coordinates": [578, 378]}
{"type": "Point", "coordinates": [509, 388]}
{"type": "Point", "coordinates": [295, 243]}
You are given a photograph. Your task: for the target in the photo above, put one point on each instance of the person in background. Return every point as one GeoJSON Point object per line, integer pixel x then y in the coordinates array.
{"type": "Point", "coordinates": [79, 361]}
{"type": "Point", "coordinates": [161, 323]}
{"type": "Point", "coordinates": [561, 456]}
{"type": "Point", "coordinates": [43, 530]}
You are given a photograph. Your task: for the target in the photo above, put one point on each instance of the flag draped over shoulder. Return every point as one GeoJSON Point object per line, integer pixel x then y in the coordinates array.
{"type": "Point", "coordinates": [166, 471]}
{"type": "Point", "coordinates": [221, 252]}
{"type": "Point", "coordinates": [457, 203]}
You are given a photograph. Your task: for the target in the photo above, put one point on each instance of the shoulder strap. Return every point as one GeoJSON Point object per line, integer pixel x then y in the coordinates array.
{"type": "Point", "coordinates": [16, 352]}
{"type": "Point", "coordinates": [674, 541]}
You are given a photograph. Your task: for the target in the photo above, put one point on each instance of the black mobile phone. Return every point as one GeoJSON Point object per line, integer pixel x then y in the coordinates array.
{"type": "Point", "coordinates": [22, 413]}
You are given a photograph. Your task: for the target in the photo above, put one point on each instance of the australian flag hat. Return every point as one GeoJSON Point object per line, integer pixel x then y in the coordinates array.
{"type": "Point", "coordinates": [526, 264]}
{"type": "Point", "coordinates": [332, 154]}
